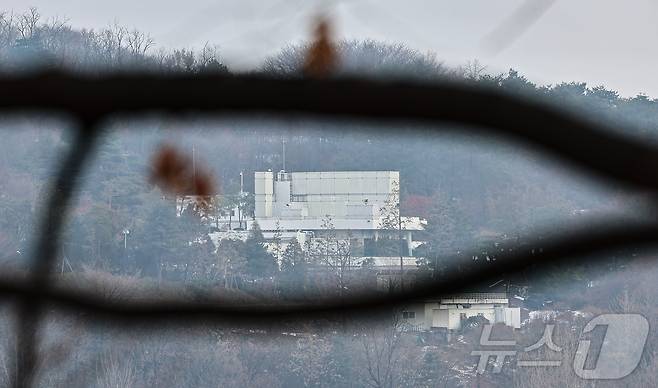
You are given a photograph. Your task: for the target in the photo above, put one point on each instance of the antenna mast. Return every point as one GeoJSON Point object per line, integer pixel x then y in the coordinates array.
{"type": "Point", "coordinates": [283, 143]}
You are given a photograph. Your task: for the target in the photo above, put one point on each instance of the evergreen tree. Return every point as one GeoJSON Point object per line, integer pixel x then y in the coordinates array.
{"type": "Point", "coordinates": [294, 267]}
{"type": "Point", "coordinates": [277, 247]}
{"type": "Point", "coordinates": [232, 262]}
{"type": "Point", "coordinates": [294, 260]}
{"type": "Point", "coordinates": [156, 239]}
{"type": "Point", "coordinates": [260, 263]}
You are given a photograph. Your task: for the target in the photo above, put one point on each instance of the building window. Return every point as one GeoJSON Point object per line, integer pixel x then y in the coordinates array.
{"type": "Point", "coordinates": [409, 314]}
{"type": "Point", "coordinates": [298, 198]}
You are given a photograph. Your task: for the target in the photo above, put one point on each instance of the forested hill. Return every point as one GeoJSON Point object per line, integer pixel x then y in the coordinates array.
{"type": "Point", "coordinates": [469, 186]}
{"type": "Point", "coordinates": [29, 41]}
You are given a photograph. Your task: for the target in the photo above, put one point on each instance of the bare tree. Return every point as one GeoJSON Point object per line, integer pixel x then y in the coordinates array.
{"type": "Point", "coordinates": [472, 70]}
{"type": "Point", "coordinates": [392, 221]}
{"type": "Point", "coordinates": [28, 23]}
{"type": "Point", "coordinates": [383, 348]}
{"type": "Point", "coordinates": [310, 360]}
{"type": "Point", "coordinates": [366, 58]}
{"type": "Point", "coordinates": [116, 372]}
{"type": "Point", "coordinates": [334, 254]}
{"type": "Point", "coordinates": [138, 42]}
{"type": "Point", "coordinates": [209, 59]}
{"type": "Point", "coordinates": [566, 337]}
{"type": "Point", "coordinates": [231, 262]}
{"type": "Point", "coordinates": [8, 29]}
{"type": "Point", "coordinates": [111, 44]}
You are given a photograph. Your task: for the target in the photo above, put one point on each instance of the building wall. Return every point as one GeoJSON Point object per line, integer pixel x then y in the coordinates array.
{"type": "Point", "coordinates": [456, 314]}
{"type": "Point", "coordinates": [263, 194]}
{"type": "Point", "coordinates": [440, 318]}
{"type": "Point", "coordinates": [449, 316]}
{"type": "Point", "coordinates": [419, 321]}
{"type": "Point", "coordinates": [298, 202]}
{"type": "Point", "coordinates": [340, 194]}
{"type": "Point", "coordinates": [511, 316]}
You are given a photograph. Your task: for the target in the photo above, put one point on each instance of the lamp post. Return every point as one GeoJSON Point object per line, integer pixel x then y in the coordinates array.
{"type": "Point", "coordinates": [125, 233]}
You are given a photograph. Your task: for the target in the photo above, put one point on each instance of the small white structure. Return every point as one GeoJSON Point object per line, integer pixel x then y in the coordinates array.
{"type": "Point", "coordinates": [451, 311]}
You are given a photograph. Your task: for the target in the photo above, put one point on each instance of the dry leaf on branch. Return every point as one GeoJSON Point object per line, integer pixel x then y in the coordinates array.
{"type": "Point", "coordinates": [321, 57]}
{"type": "Point", "coordinates": [174, 173]}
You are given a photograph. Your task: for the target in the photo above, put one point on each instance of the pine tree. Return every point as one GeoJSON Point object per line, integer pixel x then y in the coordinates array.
{"type": "Point", "coordinates": [294, 260]}
{"type": "Point", "coordinates": [232, 262]}
{"type": "Point", "coordinates": [158, 239]}
{"type": "Point", "coordinates": [277, 247]}
{"type": "Point", "coordinates": [447, 231]}
{"type": "Point", "coordinates": [260, 263]}
{"type": "Point", "coordinates": [294, 267]}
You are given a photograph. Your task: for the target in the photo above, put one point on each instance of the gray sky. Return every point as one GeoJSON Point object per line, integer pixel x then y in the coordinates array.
{"type": "Point", "coordinates": [597, 41]}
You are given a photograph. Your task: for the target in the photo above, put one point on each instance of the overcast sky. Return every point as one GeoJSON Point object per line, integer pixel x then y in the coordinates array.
{"type": "Point", "coordinates": [598, 41]}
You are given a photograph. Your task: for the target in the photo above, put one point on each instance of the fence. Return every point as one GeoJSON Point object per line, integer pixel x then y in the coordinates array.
{"type": "Point", "coordinates": [593, 149]}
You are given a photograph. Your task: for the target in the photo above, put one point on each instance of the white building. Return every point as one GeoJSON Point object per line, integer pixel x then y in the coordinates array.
{"type": "Point", "coordinates": [313, 195]}
{"type": "Point", "coordinates": [301, 205]}
{"type": "Point", "coordinates": [450, 312]}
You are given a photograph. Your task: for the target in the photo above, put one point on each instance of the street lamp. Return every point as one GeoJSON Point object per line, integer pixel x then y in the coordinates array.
{"type": "Point", "coordinates": [125, 232]}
